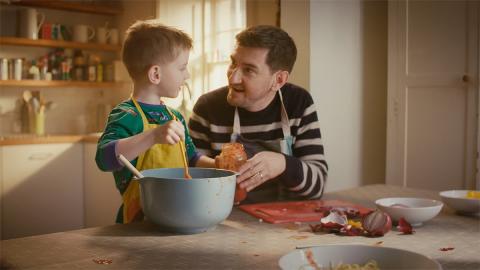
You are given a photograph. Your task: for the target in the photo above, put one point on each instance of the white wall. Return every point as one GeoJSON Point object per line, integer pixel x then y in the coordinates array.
{"type": "Point", "coordinates": [348, 80]}
{"type": "Point", "coordinates": [295, 19]}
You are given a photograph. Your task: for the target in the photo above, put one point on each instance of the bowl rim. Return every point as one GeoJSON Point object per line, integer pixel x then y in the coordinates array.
{"type": "Point", "coordinates": [439, 266]}
{"type": "Point", "coordinates": [443, 195]}
{"type": "Point", "coordinates": [436, 202]}
{"type": "Point", "coordinates": [182, 178]}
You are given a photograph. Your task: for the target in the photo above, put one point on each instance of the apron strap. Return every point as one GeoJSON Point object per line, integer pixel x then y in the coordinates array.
{"type": "Point", "coordinates": [285, 120]}
{"type": "Point", "coordinates": [142, 114]}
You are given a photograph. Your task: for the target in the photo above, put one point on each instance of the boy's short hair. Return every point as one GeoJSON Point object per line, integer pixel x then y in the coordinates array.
{"type": "Point", "coordinates": [282, 51]}
{"type": "Point", "coordinates": [148, 43]}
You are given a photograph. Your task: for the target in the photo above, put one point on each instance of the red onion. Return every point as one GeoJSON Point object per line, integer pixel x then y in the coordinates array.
{"type": "Point", "coordinates": [377, 223]}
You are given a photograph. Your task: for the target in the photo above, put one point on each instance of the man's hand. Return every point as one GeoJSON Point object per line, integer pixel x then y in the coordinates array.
{"type": "Point", "coordinates": [260, 168]}
{"type": "Point", "coordinates": [169, 133]}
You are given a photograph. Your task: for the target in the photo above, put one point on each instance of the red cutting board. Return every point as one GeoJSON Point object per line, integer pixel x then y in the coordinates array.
{"type": "Point", "coordinates": [296, 211]}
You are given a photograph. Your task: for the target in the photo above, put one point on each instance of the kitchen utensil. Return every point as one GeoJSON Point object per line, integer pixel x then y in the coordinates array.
{"type": "Point", "coordinates": [457, 199]}
{"type": "Point", "coordinates": [325, 256]}
{"type": "Point", "coordinates": [187, 207]}
{"type": "Point", "coordinates": [414, 210]}
{"type": "Point", "coordinates": [27, 95]}
{"type": "Point", "coordinates": [186, 174]}
{"type": "Point", "coordinates": [297, 211]}
{"type": "Point", "coordinates": [129, 166]}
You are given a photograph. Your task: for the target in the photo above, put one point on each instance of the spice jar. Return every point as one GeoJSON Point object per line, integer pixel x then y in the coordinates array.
{"type": "Point", "coordinates": [231, 158]}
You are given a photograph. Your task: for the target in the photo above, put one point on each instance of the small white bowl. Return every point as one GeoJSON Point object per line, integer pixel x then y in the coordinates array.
{"type": "Point", "coordinates": [325, 255]}
{"type": "Point", "coordinates": [457, 199]}
{"type": "Point", "coordinates": [415, 210]}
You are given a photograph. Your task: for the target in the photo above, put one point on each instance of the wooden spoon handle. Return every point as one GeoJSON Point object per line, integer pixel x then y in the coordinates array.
{"type": "Point", "coordinates": [185, 162]}
{"type": "Point", "coordinates": [129, 166]}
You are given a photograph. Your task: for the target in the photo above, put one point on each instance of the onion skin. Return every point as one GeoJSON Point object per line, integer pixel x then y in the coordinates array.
{"type": "Point", "coordinates": [377, 223]}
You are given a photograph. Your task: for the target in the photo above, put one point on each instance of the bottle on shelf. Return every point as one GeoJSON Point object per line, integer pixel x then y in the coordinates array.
{"type": "Point", "coordinates": [79, 64]}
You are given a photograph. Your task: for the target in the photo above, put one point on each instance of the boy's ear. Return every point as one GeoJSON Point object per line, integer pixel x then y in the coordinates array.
{"type": "Point", "coordinates": [154, 74]}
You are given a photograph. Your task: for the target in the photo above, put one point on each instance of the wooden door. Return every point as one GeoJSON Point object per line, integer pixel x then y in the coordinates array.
{"type": "Point", "coordinates": [432, 94]}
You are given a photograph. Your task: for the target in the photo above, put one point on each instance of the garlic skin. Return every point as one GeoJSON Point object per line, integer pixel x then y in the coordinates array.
{"type": "Point", "coordinates": [377, 223]}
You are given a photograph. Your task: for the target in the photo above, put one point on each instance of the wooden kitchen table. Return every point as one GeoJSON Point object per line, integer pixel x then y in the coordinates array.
{"type": "Point", "coordinates": [240, 242]}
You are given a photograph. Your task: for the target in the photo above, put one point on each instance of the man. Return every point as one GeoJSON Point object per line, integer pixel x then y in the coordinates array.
{"type": "Point", "coordinates": [275, 121]}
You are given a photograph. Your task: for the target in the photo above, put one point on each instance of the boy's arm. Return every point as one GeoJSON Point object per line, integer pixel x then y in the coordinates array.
{"type": "Point", "coordinates": [169, 133]}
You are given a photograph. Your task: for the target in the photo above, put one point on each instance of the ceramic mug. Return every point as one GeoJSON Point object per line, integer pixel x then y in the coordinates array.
{"type": "Point", "coordinates": [30, 22]}
{"type": "Point", "coordinates": [102, 35]}
{"type": "Point", "coordinates": [113, 36]}
{"type": "Point", "coordinates": [82, 33]}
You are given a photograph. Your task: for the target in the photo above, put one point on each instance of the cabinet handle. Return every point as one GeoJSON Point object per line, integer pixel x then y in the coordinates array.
{"type": "Point", "coordinates": [465, 78]}
{"type": "Point", "coordinates": [40, 156]}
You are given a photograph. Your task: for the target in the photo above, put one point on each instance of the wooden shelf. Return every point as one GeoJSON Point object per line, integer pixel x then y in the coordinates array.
{"type": "Point", "coordinates": [58, 44]}
{"type": "Point", "coordinates": [56, 84]}
{"type": "Point", "coordinates": [96, 7]}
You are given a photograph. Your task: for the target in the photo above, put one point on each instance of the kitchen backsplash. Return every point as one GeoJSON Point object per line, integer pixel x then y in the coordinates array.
{"type": "Point", "coordinates": [76, 111]}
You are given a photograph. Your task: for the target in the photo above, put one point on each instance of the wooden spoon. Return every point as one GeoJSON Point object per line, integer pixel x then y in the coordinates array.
{"type": "Point", "coordinates": [129, 166]}
{"type": "Point", "coordinates": [186, 174]}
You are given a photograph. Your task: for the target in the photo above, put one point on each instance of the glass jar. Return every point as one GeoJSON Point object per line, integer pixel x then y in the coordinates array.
{"type": "Point", "coordinates": [231, 158]}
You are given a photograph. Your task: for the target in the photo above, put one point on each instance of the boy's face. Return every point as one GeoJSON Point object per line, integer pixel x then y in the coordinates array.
{"type": "Point", "coordinates": [250, 80]}
{"type": "Point", "coordinates": [173, 75]}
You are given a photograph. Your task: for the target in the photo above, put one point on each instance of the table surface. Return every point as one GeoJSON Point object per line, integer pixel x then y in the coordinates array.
{"type": "Point", "coordinates": [240, 242]}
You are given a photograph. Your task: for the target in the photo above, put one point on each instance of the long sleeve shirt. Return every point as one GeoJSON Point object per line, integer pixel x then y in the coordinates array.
{"type": "Point", "coordinates": [305, 175]}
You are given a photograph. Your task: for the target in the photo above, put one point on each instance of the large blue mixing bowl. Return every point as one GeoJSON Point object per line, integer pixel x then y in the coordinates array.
{"type": "Point", "coordinates": [187, 206]}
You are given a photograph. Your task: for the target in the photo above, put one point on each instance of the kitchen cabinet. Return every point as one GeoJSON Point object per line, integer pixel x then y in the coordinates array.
{"type": "Point", "coordinates": [42, 189]}
{"type": "Point", "coordinates": [102, 199]}
{"type": "Point", "coordinates": [1, 191]}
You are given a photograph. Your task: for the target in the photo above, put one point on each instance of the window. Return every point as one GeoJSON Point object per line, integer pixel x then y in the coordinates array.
{"type": "Point", "coordinates": [213, 25]}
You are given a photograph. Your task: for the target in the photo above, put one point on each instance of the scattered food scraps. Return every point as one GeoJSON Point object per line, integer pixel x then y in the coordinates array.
{"type": "Point", "coordinates": [102, 261]}
{"type": "Point", "coordinates": [405, 227]}
{"type": "Point", "coordinates": [298, 237]}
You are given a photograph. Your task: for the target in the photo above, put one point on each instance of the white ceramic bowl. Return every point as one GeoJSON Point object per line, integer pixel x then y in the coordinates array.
{"type": "Point", "coordinates": [416, 210]}
{"type": "Point", "coordinates": [457, 199]}
{"type": "Point", "coordinates": [386, 258]}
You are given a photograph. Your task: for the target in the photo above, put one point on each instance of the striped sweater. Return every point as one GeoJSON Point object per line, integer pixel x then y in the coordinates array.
{"type": "Point", "coordinates": [211, 125]}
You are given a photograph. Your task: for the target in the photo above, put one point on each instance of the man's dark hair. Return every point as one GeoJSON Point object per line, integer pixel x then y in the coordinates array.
{"type": "Point", "coordinates": [282, 51]}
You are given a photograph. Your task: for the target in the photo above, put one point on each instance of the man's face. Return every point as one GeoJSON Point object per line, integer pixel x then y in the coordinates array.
{"type": "Point", "coordinates": [250, 80]}
{"type": "Point", "coordinates": [173, 75]}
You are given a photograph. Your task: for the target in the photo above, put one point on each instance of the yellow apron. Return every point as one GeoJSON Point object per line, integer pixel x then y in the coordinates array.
{"type": "Point", "coordinates": [158, 156]}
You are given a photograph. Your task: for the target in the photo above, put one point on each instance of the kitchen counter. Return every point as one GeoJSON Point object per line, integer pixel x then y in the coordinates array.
{"type": "Point", "coordinates": [23, 139]}
{"type": "Point", "coordinates": [240, 242]}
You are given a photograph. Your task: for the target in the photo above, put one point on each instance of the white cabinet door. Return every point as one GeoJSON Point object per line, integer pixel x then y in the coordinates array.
{"type": "Point", "coordinates": [102, 199]}
{"type": "Point", "coordinates": [1, 192]}
{"type": "Point", "coordinates": [42, 189]}
{"type": "Point", "coordinates": [432, 94]}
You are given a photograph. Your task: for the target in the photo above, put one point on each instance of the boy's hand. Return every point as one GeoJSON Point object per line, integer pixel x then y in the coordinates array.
{"type": "Point", "coordinates": [169, 133]}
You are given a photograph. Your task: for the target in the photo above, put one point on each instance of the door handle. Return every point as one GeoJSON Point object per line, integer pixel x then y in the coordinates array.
{"type": "Point", "coordinates": [465, 78]}
{"type": "Point", "coordinates": [40, 156]}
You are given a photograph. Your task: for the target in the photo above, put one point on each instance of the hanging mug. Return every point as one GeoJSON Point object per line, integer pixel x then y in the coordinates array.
{"type": "Point", "coordinates": [83, 33]}
{"type": "Point", "coordinates": [30, 22]}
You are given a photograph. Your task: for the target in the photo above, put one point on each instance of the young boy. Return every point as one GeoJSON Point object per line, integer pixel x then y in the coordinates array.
{"type": "Point", "coordinates": [143, 129]}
